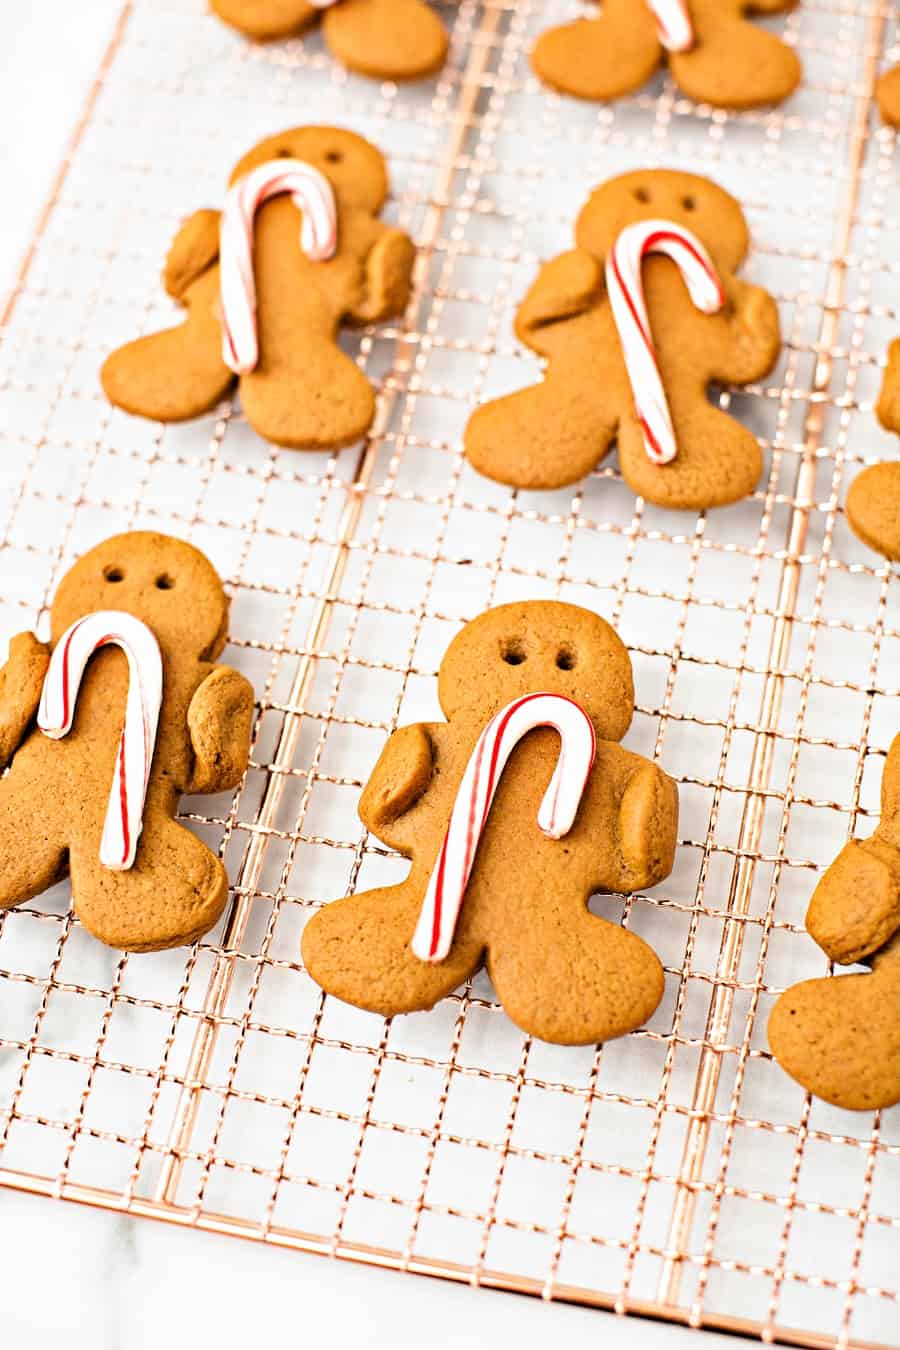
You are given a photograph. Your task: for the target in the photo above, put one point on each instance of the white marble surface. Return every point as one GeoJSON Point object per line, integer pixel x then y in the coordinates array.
{"type": "Point", "coordinates": [112, 1283]}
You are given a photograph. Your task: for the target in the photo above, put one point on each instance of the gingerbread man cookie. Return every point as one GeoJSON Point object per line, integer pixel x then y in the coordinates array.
{"type": "Point", "coordinates": [298, 250]}
{"type": "Point", "coordinates": [104, 730]}
{"type": "Point", "coordinates": [840, 1037]}
{"type": "Point", "coordinates": [715, 54]}
{"type": "Point", "coordinates": [385, 39]}
{"type": "Point", "coordinates": [514, 811]}
{"type": "Point", "coordinates": [873, 502]}
{"type": "Point", "coordinates": [632, 343]}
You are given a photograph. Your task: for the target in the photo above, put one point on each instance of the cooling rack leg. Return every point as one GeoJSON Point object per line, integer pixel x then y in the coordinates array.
{"type": "Point", "coordinates": [741, 884]}
{"type": "Point", "coordinates": [247, 879]}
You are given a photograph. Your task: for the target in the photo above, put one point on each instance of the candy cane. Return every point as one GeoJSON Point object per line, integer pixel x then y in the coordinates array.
{"type": "Point", "coordinates": [626, 294]}
{"type": "Point", "coordinates": [433, 937]}
{"type": "Point", "coordinates": [673, 24]}
{"type": "Point", "coordinates": [124, 813]}
{"type": "Point", "coordinates": [313, 194]}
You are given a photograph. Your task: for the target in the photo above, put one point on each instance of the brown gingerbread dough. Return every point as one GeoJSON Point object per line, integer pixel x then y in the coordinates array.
{"type": "Point", "coordinates": [385, 39]}
{"type": "Point", "coordinates": [555, 432]}
{"type": "Point", "coordinates": [840, 1037]}
{"type": "Point", "coordinates": [54, 798]}
{"type": "Point", "coordinates": [304, 393]}
{"type": "Point", "coordinates": [888, 94]}
{"type": "Point", "coordinates": [873, 502]}
{"type": "Point", "coordinates": [732, 64]}
{"type": "Point", "coordinates": [561, 973]}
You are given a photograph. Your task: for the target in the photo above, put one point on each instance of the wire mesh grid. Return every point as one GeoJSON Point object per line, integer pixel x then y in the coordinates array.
{"type": "Point", "coordinates": [678, 1173]}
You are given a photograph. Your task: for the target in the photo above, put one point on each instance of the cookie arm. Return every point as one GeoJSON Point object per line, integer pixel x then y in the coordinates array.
{"type": "Point", "coordinates": [400, 777]}
{"type": "Point", "coordinates": [387, 276]}
{"type": "Point", "coordinates": [219, 717]}
{"type": "Point", "coordinates": [194, 249]}
{"type": "Point", "coordinates": [565, 287]}
{"type": "Point", "coordinates": [753, 334]}
{"type": "Point", "coordinates": [648, 826]}
{"type": "Point", "coordinates": [21, 681]}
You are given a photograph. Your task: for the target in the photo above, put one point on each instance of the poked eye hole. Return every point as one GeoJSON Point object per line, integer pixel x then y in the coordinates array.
{"type": "Point", "coordinates": [566, 658]}
{"type": "Point", "coordinates": [513, 652]}
{"type": "Point", "coordinates": [113, 573]}
{"type": "Point", "coordinates": [333, 156]}
{"type": "Point", "coordinates": [642, 195]}
{"type": "Point", "coordinates": [689, 203]}
{"type": "Point", "coordinates": [164, 582]}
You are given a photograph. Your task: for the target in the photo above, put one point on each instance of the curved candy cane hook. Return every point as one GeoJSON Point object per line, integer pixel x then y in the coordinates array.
{"type": "Point", "coordinates": [433, 937]}
{"type": "Point", "coordinates": [626, 294]}
{"type": "Point", "coordinates": [313, 194]}
{"type": "Point", "coordinates": [673, 24]}
{"type": "Point", "coordinates": [124, 813]}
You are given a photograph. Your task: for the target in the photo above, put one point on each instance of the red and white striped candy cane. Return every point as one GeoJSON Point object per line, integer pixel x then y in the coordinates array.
{"type": "Point", "coordinates": [673, 24]}
{"type": "Point", "coordinates": [313, 194]}
{"type": "Point", "coordinates": [626, 294]}
{"type": "Point", "coordinates": [124, 813]}
{"type": "Point", "coordinates": [433, 937]}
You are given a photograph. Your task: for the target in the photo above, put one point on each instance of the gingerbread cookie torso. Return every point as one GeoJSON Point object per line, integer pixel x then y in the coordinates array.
{"type": "Point", "coordinates": [150, 715]}
{"type": "Point", "coordinates": [298, 389]}
{"type": "Point", "coordinates": [840, 1037]}
{"type": "Point", "coordinates": [552, 434]}
{"type": "Point", "coordinates": [561, 973]}
{"type": "Point", "coordinates": [873, 502]}
{"type": "Point", "coordinates": [716, 54]}
{"type": "Point", "coordinates": [384, 39]}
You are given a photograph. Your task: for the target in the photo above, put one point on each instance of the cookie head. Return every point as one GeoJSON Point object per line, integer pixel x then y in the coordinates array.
{"type": "Point", "coordinates": [695, 203]}
{"type": "Point", "coordinates": [165, 582]}
{"type": "Point", "coordinates": [351, 164]}
{"type": "Point", "coordinates": [539, 646]}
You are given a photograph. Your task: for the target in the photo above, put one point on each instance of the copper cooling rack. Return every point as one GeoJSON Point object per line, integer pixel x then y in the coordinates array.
{"type": "Point", "coordinates": [677, 1174]}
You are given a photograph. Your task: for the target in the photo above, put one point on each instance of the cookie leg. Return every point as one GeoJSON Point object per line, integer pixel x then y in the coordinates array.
{"type": "Point", "coordinates": [174, 893]}
{"type": "Point", "coordinates": [600, 58]}
{"type": "Point", "coordinates": [176, 374]}
{"type": "Point", "coordinates": [387, 39]}
{"type": "Point", "coordinates": [319, 400]}
{"type": "Point", "coordinates": [265, 20]}
{"type": "Point", "coordinates": [735, 64]}
{"type": "Point", "coordinates": [719, 461]}
{"type": "Point", "coordinates": [840, 1038]}
{"type": "Point", "coordinates": [575, 979]}
{"type": "Point", "coordinates": [358, 949]}
{"type": "Point", "coordinates": [541, 438]}
{"type": "Point", "coordinates": [31, 859]}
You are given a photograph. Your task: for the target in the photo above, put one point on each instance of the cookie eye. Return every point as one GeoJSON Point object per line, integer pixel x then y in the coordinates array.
{"type": "Point", "coordinates": [689, 203]}
{"type": "Point", "coordinates": [333, 157]}
{"type": "Point", "coordinates": [565, 658]}
{"type": "Point", "coordinates": [513, 652]}
{"type": "Point", "coordinates": [113, 573]}
{"type": "Point", "coordinates": [641, 194]}
{"type": "Point", "coordinates": [164, 582]}
{"type": "Point", "coordinates": [283, 154]}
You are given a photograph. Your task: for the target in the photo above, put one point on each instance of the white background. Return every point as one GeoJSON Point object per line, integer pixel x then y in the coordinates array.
{"type": "Point", "coordinates": [119, 1284]}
